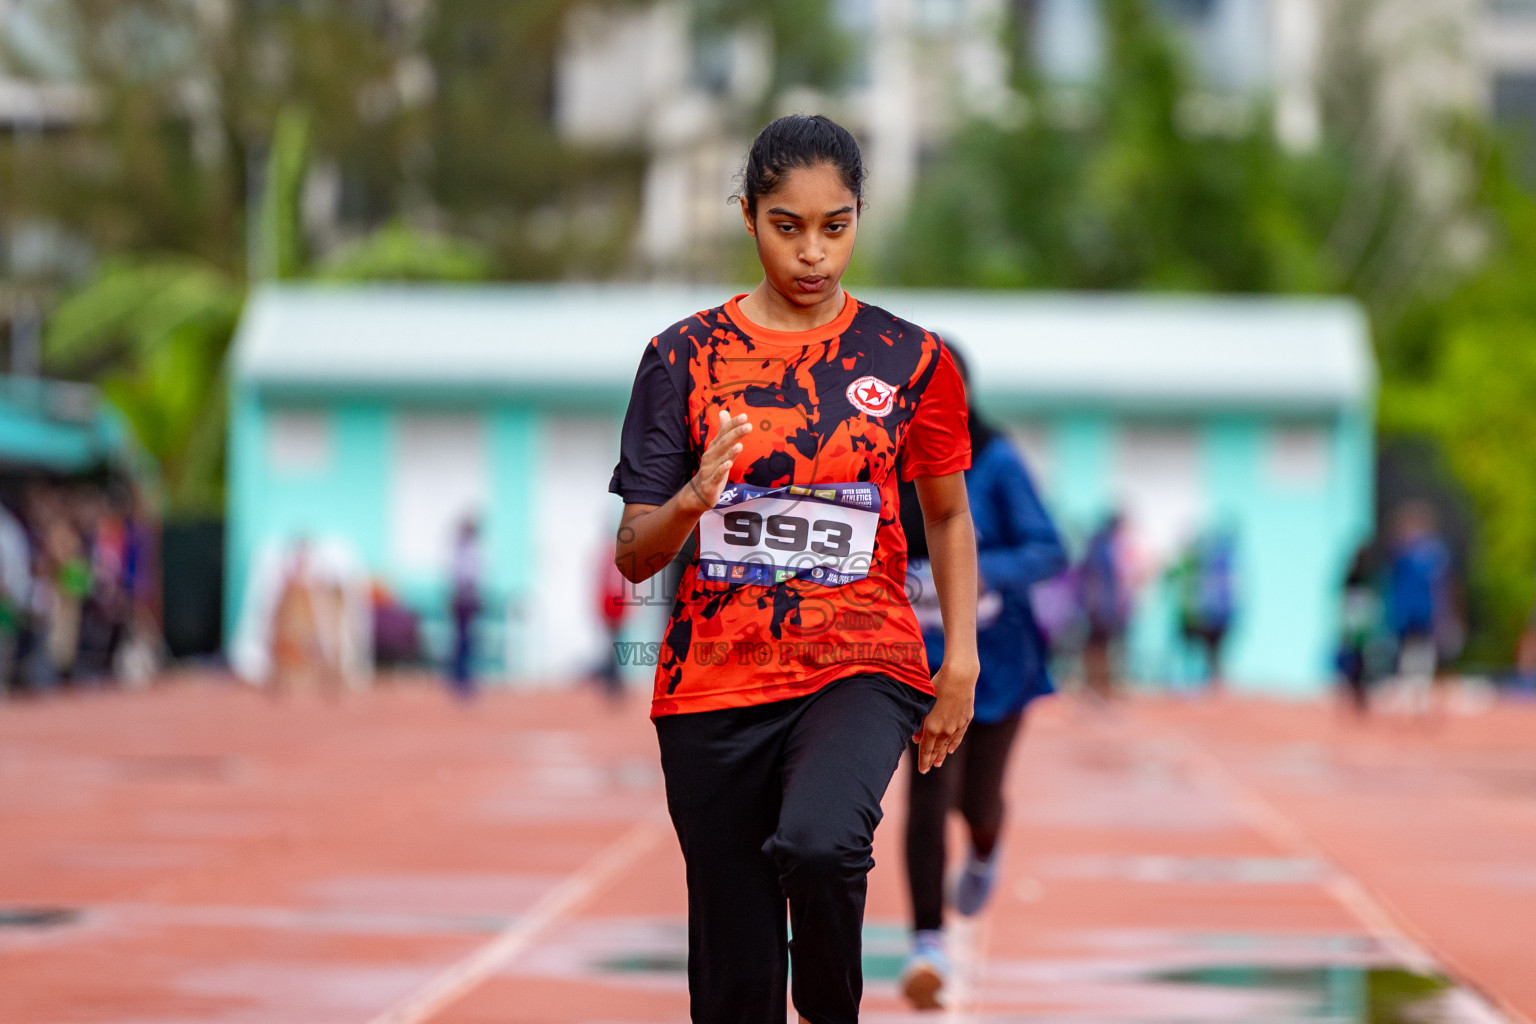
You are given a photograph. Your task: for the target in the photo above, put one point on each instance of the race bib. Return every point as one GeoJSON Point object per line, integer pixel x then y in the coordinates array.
{"type": "Point", "coordinates": [766, 535]}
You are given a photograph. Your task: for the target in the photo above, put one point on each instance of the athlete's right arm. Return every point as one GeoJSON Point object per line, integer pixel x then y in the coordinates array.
{"type": "Point", "coordinates": [649, 535]}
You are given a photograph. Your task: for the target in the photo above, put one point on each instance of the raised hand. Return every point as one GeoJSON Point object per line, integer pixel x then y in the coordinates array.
{"type": "Point", "coordinates": [701, 493]}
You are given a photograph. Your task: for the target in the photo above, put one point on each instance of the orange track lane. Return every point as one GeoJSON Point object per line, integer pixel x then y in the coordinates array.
{"type": "Point", "coordinates": [224, 859]}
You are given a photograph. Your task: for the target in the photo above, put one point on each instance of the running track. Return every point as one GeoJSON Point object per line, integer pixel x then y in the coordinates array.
{"type": "Point", "coordinates": [396, 859]}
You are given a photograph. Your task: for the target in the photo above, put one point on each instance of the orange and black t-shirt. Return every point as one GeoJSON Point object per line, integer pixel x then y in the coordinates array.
{"type": "Point", "coordinates": [800, 576]}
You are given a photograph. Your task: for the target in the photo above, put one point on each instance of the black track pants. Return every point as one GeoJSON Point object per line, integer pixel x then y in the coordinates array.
{"type": "Point", "coordinates": [778, 803]}
{"type": "Point", "coordinates": [971, 780]}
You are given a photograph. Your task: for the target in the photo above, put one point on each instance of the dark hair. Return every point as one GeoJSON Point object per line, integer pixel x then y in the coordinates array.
{"type": "Point", "coordinates": [800, 140]}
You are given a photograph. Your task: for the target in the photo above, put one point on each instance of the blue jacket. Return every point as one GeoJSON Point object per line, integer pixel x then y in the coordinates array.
{"type": "Point", "coordinates": [1416, 585]}
{"type": "Point", "coordinates": [1017, 547]}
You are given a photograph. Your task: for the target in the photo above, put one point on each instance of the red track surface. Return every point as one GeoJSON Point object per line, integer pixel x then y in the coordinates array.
{"type": "Point", "coordinates": [401, 858]}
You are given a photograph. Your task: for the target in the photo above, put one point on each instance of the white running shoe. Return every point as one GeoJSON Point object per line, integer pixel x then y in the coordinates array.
{"type": "Point", "coordinates": [924, 978]}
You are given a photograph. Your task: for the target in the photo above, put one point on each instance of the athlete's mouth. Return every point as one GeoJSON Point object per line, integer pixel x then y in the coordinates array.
{"type": "Point", "coordinates": [812, 283]}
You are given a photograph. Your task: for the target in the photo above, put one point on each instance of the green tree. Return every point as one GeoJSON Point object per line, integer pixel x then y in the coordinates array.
{"type": "Point", "coordinates": [491, 165]}
{"type": "Point", "coordinates": [434, 115]}
{"type": "Point", "coordinates": [154, 332]}
{"type": "Point", "coordinates": [1130, 184]}
{"type": "Point", "coordinates": [1470, 389]}
{"type": "Point", "coordinates": [1117, 187]}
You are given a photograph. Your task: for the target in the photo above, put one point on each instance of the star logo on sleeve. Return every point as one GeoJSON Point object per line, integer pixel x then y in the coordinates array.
{"type": "Point", "coordinates": [872, 396]}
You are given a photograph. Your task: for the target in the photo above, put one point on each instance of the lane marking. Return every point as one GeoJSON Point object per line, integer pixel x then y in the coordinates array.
{"type": "Point", "coordinates": [1392, 930]}
{"type": "Point", "coordinates": [473, 969]}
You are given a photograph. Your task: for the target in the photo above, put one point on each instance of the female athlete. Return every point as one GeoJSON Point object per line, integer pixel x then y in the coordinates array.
{"type": "Point", "coordinates": [792, 672]}
{"type": "Point", "coordinates": [1018, 547]}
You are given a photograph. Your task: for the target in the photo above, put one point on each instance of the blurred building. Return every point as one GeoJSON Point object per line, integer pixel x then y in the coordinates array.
{"type": "Point", "coordinates": [648, 76]}
{"type": "Point", "coordinates": [686, 87]}
{"type": "Point", "coordinates": [1507, 45]}
{"type": "Point", "coordinates": [381, 416]}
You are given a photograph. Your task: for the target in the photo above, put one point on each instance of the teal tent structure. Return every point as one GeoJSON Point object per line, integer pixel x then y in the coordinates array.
{"type": "Point", "coordinates": [60, 428]}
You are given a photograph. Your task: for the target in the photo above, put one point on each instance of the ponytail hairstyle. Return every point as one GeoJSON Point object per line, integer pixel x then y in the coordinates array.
{"type": "Point", "coordinates": [800, 140]}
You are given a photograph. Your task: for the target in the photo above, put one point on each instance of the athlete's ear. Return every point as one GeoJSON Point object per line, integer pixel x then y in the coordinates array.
{"type": "Point", "coordinates": [746, 216]}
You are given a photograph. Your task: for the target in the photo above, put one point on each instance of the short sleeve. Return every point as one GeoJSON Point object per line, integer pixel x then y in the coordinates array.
{"type": "Point", "coordinates": [939, 438]}
{"type": "Point", "coordinates": [656, 456]}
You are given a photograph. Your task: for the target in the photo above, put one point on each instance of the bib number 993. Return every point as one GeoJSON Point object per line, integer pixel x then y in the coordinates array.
{"type": "Point", "coordinates": [817, 533]}
{"type": "Point", "coordinates": [748, 529]}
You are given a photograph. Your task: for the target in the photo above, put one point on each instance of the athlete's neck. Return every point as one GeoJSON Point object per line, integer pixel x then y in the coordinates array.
{"type": "Point", "coordinates": [767, 308]}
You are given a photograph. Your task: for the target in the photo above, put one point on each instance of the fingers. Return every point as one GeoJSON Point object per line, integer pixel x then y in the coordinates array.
{"type": "Point", "coordinates": [954, 740]}
{"type": "Point", "coordinates": [732, 429]}
{"type": "Point", "coordinates": [936, 742]}
{"type": "Point", "coordinates": [941, 750]}
{"type": "Point", "coordinates": [924, 752]}
{"type": "Point", "coordinates": [932, 748]}
{"type": "Point", "coordinates": [715, 466]}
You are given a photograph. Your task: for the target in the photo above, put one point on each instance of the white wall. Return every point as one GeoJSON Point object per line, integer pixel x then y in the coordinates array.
{"type": "Point", "coordinates": [574, 522]}
{"type": "Point", "coordinates": [438, 478]}
{"type": "Point", "coordinates": [1159, 484]}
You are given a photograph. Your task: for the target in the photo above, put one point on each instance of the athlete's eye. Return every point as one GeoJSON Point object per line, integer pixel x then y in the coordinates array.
{"type": "Point", "coordinates": [785, 228]}
{"type": "Point", "coordinates": [834, 229]}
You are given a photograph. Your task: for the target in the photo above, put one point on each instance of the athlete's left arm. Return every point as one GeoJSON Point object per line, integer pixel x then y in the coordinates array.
{"type": "Point", "coordinates": [952, 556]}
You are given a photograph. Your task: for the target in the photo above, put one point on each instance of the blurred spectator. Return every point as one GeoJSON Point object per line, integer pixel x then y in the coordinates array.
{"type": "Point", "coordinates": [1360, 622]}
{"type": "Point", "coordinates": [396, 629]}
{"type": "Point", "coordinates": [104, 613]}
{"type": "Point", "coordinates": [302, 658]}
{"type": "Point", "coordinates": [1203, 585]}
{"type": "Point", "coordinates": [1058, 612]}
{"type": "Point", "coordinates": [306, 622]}
{"type": "Point", "coordinates": [464, 606]}
{"type": "Point", "coordinates": [73, 580]}
{"type": "Point", "coordinates": [1525, 657]}
{"type": "Point", "coordinates": [142, 642]}
{"type": "Point", "coordinates": [1418, 606]}
{"type": "Point", "coordinates": [15, 589]}
{"type": "Point", "coordinates": [71, 584]}
{"type": "Point", "coordinates": [1104, 595]}
{"type": "Point", "coordinates": [611, 610]}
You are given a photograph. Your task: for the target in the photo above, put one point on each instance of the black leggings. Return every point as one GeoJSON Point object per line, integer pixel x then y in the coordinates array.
{"type": "Point", "coordinates": [972, 780]}
{"type": "Point", "coordinates": [776, 803]}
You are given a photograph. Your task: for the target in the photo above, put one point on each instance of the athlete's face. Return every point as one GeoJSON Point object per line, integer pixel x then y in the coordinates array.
{"type": "Point", "coordinates": [804, 231]}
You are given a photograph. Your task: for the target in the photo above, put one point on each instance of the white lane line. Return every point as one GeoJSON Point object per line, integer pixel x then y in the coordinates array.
{"type": "Point", "coordinates": [469, 972]}
{"type": "Point", "coordinates": [1396, 934]}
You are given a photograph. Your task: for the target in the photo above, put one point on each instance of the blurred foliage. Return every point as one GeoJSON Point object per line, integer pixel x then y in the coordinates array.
{"type": "Point", "coordinates": [1474, 391]}
{"type": "Point", "coordinates": [207, 113]}
{"type": "Point", "coordinates": [153, 333]}
{"type": "Point", "coordinates": [434, 114]}
{"type": "Point", "coordinates": [345, 140]}
{"type": "Point", "coordinates": [1142, 182]}
{"type": "Point", "coordinates": [397, 252]}
{"type": "Point", "coordinates": [1109, 187]}
{"type": "Point", "coordinates": [488, 162]}
{"type": "Point", "coordinates": [808, 45]}
{"type": "Point", "coordinates": [279, 236]}
{"type": "Point", "coordinates": [403, 140]}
